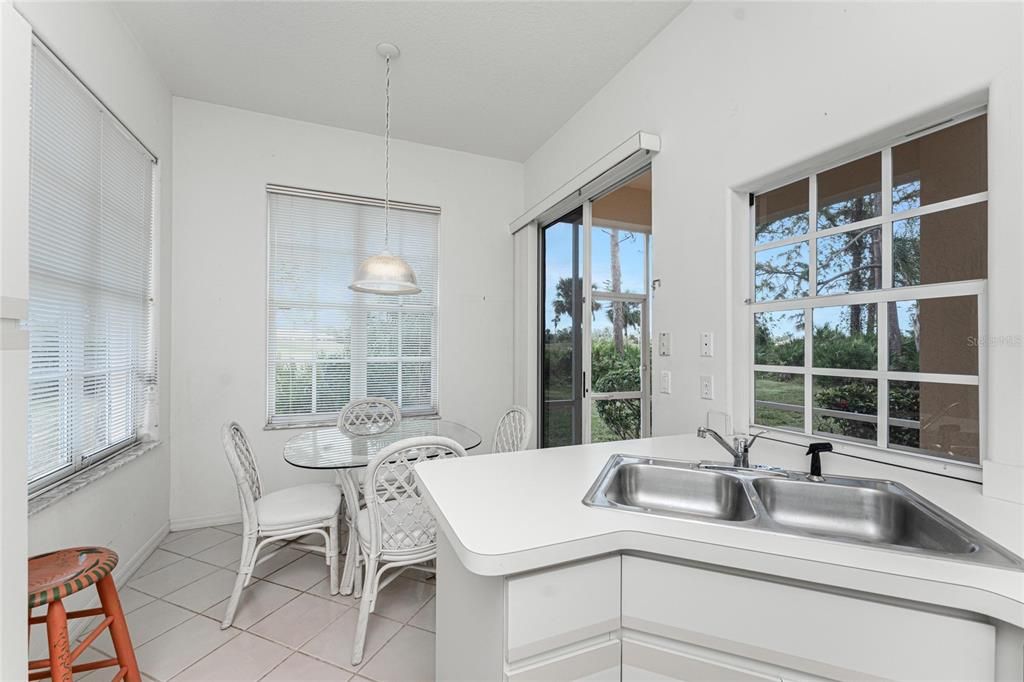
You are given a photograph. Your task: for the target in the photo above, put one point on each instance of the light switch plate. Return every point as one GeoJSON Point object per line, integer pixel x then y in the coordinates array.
{"type": "Point", "coordinates": [707, 345]}
{"type": "Point", "coordinates": [707, 387]}
{"type": "Point", "coordinates": [664, 344]}
{"type": "Point", "coordinates": [666, 381]}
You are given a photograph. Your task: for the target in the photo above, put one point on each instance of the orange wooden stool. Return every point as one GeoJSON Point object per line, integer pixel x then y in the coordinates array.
{"type": "Point", "coordinates": [54, 576]}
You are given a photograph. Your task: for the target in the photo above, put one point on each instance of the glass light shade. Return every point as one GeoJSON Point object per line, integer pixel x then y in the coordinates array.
{"type": "Point", "coordinates": [385, 274]}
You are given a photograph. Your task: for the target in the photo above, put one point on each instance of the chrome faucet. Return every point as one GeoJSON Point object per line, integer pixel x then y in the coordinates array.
{"type": "Point", "coordinates": [740, 448]}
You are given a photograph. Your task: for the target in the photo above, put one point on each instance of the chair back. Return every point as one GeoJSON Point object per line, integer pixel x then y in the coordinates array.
{"type": "Point", "coordinates": [243, 466]}
{"type": "Point", "coordinates": [368, 416]}
{"type": "Point", "coordinates": [514, 429]}
{"type": "Point", "coordinates": [400, 522]}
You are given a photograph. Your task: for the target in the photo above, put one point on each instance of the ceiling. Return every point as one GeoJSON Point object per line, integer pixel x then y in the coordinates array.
{"type": "Point", "coordinates": [492, 78]}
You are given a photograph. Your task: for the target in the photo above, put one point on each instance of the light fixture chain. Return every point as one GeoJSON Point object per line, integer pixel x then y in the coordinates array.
{"type": "Point", "coordinates": [387, 154]}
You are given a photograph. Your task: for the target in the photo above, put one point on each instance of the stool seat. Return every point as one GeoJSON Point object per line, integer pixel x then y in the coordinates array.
{"type": "Point", "coordinates": [54, 576]}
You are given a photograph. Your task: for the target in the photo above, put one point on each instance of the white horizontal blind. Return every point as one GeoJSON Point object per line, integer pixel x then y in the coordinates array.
{"type": "Point", "coordinates": [326, 344]}
{"type": "Point", "coordinates": [90, 265]}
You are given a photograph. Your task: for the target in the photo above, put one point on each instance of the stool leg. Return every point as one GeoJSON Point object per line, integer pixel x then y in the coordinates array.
{"type": "Point", "coordinates": [57, 638]}
{"type": "Point", "coordinates": [118, 628]}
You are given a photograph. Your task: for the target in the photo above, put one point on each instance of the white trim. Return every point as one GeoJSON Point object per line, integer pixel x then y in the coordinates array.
{"type": "Point", "coordinates": [620, 297]}
{"type": "Point", "coordinates": [586, 328]}
{"type": "Point", "coordinates": [863, 450]}
{"type": "Point", "coordinates": [606, 173]}
{"type": "Point", "coordinates": [973, 287]}
{"type": "Point", "coordinates": [349, 198]}
{"type": "Point", "coordinates": [60, 488]}
{"type": "Point", "coordinates": [618, 395]}
{"type": "Point", "coordinates": [204, 521]}
{"type": "Point", "coordinates": [884, 216]}
{"type": "Point", "coordinates": [886, 294]}
{"type": "Point", "coordinates": [924, 377]}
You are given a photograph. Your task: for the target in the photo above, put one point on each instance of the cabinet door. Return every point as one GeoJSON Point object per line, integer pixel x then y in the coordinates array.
{"type": "Point", "coordinates": [602, 663]}
{"type": "Point", "coordinates": [560, 607]}
{"type": "Point", "coordinates": [798, 628]}
{"type": "Point", "coordinates": [642, 661]}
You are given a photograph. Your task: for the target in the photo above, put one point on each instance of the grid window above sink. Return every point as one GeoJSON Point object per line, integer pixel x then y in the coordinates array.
{"type": "Point", "coordinates": [867, 288]}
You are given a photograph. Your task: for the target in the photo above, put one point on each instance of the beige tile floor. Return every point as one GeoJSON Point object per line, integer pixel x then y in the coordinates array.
{"type": "Point", "coordinates": [288, 626]}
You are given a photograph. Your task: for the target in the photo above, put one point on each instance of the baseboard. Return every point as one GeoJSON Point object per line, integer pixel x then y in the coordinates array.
{"type": "Point", "coordinates": [122, 575]}
{"type": "Point", "coordinates": [190, 522]}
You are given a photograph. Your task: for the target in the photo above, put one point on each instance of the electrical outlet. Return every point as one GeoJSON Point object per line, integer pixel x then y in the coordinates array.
{"type": "Point", "coordinates": [707, 345]}
{"type": "Point", "coordinates": [707, 387]}
{"type": "Point", "coordinates": [664, 344]}
{"type": "Point", "coordinates": [666, 381]}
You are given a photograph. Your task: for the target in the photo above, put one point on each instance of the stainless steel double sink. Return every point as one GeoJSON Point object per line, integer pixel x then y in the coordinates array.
{"type": "Point", "coordinates": [858, 510]}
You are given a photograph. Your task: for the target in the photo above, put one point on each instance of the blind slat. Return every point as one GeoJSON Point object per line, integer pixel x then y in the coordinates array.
{"type": "Point", "coordinates": [327, 344]}
{"type": "Point", "coordinates": [90, 266]}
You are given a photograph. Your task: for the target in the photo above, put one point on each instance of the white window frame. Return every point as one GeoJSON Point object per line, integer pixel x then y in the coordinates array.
{"type": "Point", "coordinates": [357, 368]}
{"type": "Point", "coordinates": [879, 451]}
{"type": "Point", "coordinates": [148, 431]}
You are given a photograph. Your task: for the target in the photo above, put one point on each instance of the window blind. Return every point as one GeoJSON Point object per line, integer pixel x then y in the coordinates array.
{"type": "Point", "coordinates": [326, 344]}
{"type": "Point", "coordinates": [90, 264]}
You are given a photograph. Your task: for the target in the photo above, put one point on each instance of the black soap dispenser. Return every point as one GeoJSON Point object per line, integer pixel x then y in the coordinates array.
{"type": "Point", "coordinates": [815, 450]}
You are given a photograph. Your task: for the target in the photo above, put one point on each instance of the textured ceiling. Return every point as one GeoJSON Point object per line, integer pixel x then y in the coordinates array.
{"type": "Point", "coordinates": [492, 78]}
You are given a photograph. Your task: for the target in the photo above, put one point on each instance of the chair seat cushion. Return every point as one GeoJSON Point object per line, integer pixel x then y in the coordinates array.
{"type": "Point", "coordinates": [397, 538]}
{"type": "Point", "coordinates": [298, 506]}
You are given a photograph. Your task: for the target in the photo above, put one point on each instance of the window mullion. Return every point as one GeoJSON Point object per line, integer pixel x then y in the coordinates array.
{"type": "Point", "coordinates": [882, 315]}
{"type": "Point", "coordinates": [812, 288]}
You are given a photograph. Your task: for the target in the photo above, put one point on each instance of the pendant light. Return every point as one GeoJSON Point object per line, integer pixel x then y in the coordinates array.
{"type": "Point", "coordinates": [386, 273]}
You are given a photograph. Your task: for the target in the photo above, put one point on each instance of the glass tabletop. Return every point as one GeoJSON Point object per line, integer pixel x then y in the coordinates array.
{"type": "Point", "coordinates": [332, 448]}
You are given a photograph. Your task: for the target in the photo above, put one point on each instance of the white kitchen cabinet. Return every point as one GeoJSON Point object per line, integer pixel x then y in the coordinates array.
{"type": "Point", "coordinates": [601, 663]}
{"type": "Point", "coordinates": [559, 607]}
{"type": "Point", "coordinates": [795, 627]}
{"type": "Point", "coordinates": [637, 618]}
{"type": "Point", "coordinates": [644, 662]}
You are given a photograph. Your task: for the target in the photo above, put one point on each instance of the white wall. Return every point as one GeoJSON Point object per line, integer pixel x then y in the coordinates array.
{"type": "Point", "coordinates": [128, 509]}
{"type": "Point", "coordinates": [224, 158]}
{"type": "Point", "coordinates": [741, 92]}
{"type": "Point", "coordinates": [15, 42]}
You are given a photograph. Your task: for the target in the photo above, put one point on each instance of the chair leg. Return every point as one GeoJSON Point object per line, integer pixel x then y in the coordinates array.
{"type": "Point", "coordinates": [365, 606]}
{"type": "Point", "coordinates": [332, 556]}
{"type": "Point", "coordinates": [111, 604]}
{"type": "Point", "coordinates": [245, 568]}
{"type": "Point", "coordinates": [351, 560]}
{"type": "Point", "coordinates": [357, 572]}
{"type": "Point", "coordinates": [57, 637]}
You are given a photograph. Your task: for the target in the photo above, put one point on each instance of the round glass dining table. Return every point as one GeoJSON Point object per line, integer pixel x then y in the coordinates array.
{"type": "Point", "coordinates": [332, 448]}
{"type": "Point", "coordinates": [347, 453]}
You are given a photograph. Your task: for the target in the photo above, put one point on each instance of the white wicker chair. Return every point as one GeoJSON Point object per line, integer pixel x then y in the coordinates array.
{"type": "Point", "coordinates": [368, 416]}
{"type": "Point", "coordinates": [396, 530]}
{"type": "Point", "coordinates": [514, 429]}
{"type": "Point", "coordinates": [282, 515]}
{"type": "Point", "coordinates": [362, 417]}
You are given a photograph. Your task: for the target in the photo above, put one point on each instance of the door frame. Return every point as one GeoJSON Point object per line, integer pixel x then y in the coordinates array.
{"type": "Point", "coordinates": [583, 299]}
{"type": "Point", "coordinates": [644, 394]}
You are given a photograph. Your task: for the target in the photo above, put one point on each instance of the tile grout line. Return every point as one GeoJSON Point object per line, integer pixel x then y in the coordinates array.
{"type": "Point", "coordinates": [289, 648]}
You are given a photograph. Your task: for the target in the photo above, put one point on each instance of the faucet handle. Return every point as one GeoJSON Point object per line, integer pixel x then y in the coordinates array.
{"type": "Point", "coordinates": [756, 436]}
{"type": "Point", "coordinates": [744, 443]}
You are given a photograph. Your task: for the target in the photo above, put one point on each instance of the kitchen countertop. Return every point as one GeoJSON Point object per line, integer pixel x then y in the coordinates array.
{"type": "Point", "coordinates": [516, 512]}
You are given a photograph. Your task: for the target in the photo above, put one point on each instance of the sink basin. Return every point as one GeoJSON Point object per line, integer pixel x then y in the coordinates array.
{"type": "Point", "coordinates": [865, 511]}
{"type": "Point", "coordinates": [675, 490]}
{"type": "Point", "coordinates": [866, 514]}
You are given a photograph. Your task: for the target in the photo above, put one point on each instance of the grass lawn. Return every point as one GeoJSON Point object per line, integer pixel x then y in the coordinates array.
{"type": "Point", "coordinates": [779, 388]}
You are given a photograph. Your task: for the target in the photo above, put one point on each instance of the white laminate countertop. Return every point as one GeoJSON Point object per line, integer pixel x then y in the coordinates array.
{"type": "Point", "coordinates": [516, 512]}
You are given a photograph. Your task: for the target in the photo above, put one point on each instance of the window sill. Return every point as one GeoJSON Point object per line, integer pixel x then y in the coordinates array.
{"type": "Point", "coordinates": [333, 422]}
{"type": "Point", "coordinates": [51, 496]}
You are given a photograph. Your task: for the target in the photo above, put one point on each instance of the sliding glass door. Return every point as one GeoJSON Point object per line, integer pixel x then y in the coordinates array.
{"type": "Point", "coordinates": [595, 344]}
{"type": "Point", "coordinates": [561, 380]}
